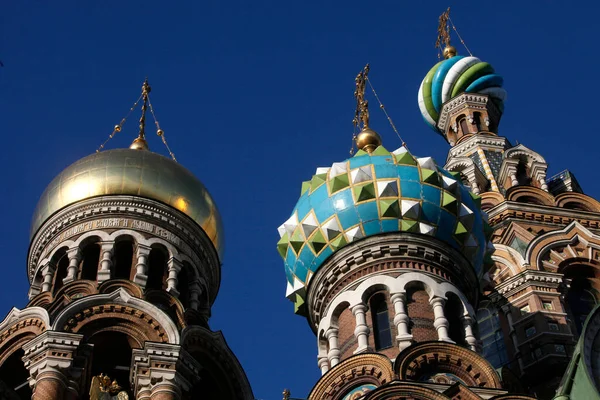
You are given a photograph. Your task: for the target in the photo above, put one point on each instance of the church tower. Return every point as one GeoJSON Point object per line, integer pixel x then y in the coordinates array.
{"type": "Point", "coordinates": [544, 280]}
{"type": "Point", "coordinates": [384, 254]}
{"type": "Point", "coordinates": [124, 266]}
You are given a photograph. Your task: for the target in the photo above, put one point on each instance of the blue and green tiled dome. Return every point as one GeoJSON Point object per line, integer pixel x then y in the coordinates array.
{"type": "Point", "coordinates": [453, 76]}
{"type": "Point", "coordinates": [370, 194]}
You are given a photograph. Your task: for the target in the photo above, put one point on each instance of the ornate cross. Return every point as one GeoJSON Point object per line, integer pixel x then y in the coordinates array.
{"type": "Point", "coordinates": [361, 114]}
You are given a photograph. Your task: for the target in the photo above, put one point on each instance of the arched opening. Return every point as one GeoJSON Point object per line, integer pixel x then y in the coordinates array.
{"type": "Point", "coordinates": [453, 310]}
{"type": "Point", "coordinates": [157, 268]}
{"type": "Point", "coordinates": [380, 316]}
{"type": "Point", "coordinates": [183, 285]}
{"type": "Point", "coordinates": [581, 297]}
{"type": "Point", "coordinates": [14, 378]}
{"type": "Point", "coordinates": [90, 261]}
{"type": "Point", "coordinates": [62, 268]}
{"type": "Point", "coordinates": [464, 126]}
{"type": "Point", "coordinates": [529, 200]}
{"type": "Point", "coordinates": [123, 259]}
{"type": "Point", "coordinates": [491, 335]}
{"type": "Point", "coordinates": [420, 313]}
{"type": "Point", "coordinates": [522, 174]}
{"type": "Point", "coordinates": [477, 118]}
{"type": "Point", "coordinates": [112, 356]}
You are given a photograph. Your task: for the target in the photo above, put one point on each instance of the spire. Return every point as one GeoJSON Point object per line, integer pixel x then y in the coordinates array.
{"type": "Point", "coordinates": [367, 140]}
{"type": "Point", "coordinates": [140, 142]}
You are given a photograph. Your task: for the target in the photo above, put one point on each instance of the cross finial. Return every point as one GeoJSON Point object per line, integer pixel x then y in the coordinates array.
{"type": "Point", "coordinates": [286, 394]}
{"type": "Point", "coordinates": [140, 142]}
{"type": "Point", "coordinates": [361, 114]}
{"type": "Point", "coordinates": [443, 36]}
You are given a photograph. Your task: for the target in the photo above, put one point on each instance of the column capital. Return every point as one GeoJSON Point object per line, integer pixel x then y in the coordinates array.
{"type": "Point", "coordinates": [74, 253]}
{"type": "Point", "coordinates": [162, 367]}
{"type": "Point", "coordinates": [359, 308]}
{"type": "Point", "coordinates": [332, 331]}
{"type": "Point", "coordinates": [398, 296]}
{"type": "Point", "coordinates": [437, 300]}
{"type": "Point", "coordinates": [175, 263]}
{"type": "Point", "coordinates": [142, 250]}
{"type": "Point", "coordinates": [51, 356]}
{"type": "Point", "coordinates": [107, 246]}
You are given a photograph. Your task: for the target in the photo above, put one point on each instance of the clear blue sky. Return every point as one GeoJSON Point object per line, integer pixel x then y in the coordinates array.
{"type": "Point", "coordinates": [253, 96]}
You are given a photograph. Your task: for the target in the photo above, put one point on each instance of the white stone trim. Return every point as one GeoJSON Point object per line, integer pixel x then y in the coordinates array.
{"type": "Point", "coordinates": [16, 315]}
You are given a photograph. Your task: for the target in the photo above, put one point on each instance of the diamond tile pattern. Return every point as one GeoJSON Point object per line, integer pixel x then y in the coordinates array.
{"type": "Point", "coordinates": [372, 194]}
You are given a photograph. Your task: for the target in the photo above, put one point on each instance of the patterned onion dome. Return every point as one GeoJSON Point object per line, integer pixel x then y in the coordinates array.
{"type": "Point", "coordinates": [453, 76]}
{"type": "Point", "coordinates": [370, 194]}
{"type": "Point", "coordinates": [132, 172]}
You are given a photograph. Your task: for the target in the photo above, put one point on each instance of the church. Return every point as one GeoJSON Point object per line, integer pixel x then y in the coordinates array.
{"type": "Point", "coordinates": [477, 278]}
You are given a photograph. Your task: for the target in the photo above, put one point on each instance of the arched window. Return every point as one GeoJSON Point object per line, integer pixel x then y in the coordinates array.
{"type": "Point", "coordinates": [14, 377]}
{"type": "Point", "coordinates": [112, 356]}
{"type": "Point", "coordinates": [157, 268]}
{"type": "Point", "coordinates": [477, 118]}
{"type": "Point", "coordinates": [381, 322]}
{"type": "Point", "coordinates": [581, 299]}
{"type": "Point", "coordinates": [183, 285]}
{"type": "Point", "coordinates": [522, 174]}
{"type": "Point", "coordinates": [62, 268]}
{"type": "Point", "coordinates": [453, 310]}
{"type": "Point", "coordinates": [491, 335]}
{"type": "Point", "coordinates": [90, 261]}
{"type": "Point", "coordinates": [420, 313]}
{"type": "Point", "coordinates": [464, 126]}
{"type": "Point", "coordinates": [123, 259]}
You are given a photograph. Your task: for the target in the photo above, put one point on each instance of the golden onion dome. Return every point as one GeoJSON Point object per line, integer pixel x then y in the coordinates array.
{"type": "Point", "coordinates": [136, 173]}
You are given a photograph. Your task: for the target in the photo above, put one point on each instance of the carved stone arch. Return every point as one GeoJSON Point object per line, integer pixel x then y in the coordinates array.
{"type": "Point", "coordinates": [77, 289]}
{"type": "Point", "coordinates": [530, 195]}
{"type": "Point", "coordinates": [447, 288]}
{"type": "Point", "coordinates": [406, 390]}
{"type": "Point", "coordinates": [171, 250]}
{"type": "Point", "coordinates": [418, 360]}
{"type": "Point", "coordinates": [375, 369]}
{"type": "Point", "coordinates": [168, 304]}
{"type": "Point", "coordinates": [126, 312]}
{"type": "Point", "coordinates": [19, 327]}
{"type": "Point", "coordinates": [543, 244]}
{"type": "Point", "coordinates": [222, 370]}
{"type": "Point", "coordinates": [510, 258]}
{"type": "Point", "coordinates": [520, 151]}
{"type": "Point", "coordinates": [577, 201]}
{"type": "Point", "coordinates": [112, 285]}
{"type": "Point", "coordinates": [429, 284]}
{"type": "Point", "coordinates": [41, 300]}
{"type": "Point", "coordinates": [490, 200]}
{"type": "Point", "coordinates": [87, 237]}
{"type": "Point", "coordinates": [137, 237]}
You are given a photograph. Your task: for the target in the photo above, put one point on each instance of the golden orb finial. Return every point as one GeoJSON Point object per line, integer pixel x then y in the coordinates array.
{"type": "Point", "coordinates": [139, 144]}
{"type": "Point", "coordinates": [368, 140]}
{"type": "Point", "coordinates": [449, 52]}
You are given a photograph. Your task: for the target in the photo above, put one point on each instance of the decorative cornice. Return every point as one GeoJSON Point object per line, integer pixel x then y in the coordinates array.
{"type": "Point", "coordinates": [527, 278]}
{"type": "Point", "coordinates": [458, 103]}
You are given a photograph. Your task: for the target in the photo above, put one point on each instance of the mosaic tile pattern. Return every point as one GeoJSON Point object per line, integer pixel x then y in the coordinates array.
{"type": "Point", "coordinates": [368, 195]}
{"type": "Point", "coordinates": [495, 159]}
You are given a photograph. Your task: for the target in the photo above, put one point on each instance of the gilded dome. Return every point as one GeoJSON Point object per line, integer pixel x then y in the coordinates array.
{"type": "Point", "coordinates": [453, 76]}
{"type": "Point", "coordinates": [135, 173]}
{"type": "Point", "coordinates": [374, 193]}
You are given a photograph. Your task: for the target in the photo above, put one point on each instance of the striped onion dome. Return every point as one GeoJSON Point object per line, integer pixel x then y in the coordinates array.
{"type": "Point", "coordinates": [453, 76]}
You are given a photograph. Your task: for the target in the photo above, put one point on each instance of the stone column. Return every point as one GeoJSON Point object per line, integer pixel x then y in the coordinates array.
{"type": "Point", "coordinates": [334, 351]}
{"type": "Point", "coordinates": [401, 320]}
{"type": "Point", "coordinates": [513, 335]}
{"type": "Point", "coordinates": [195, 293]}
{"type": "Point", "coordinates": [469, 336]}
{"type": "Point", "coordinates": [361, 332]}
{"type": "Point", "coordinates": [106, 253]}
{"type": "Point", "coordinates": [513, 179]}
{"type": "Point", "coordinates": [49, 359]}
{"type": "Point", "coordinates": [47, 274]}
{"type": "Point", "coordinates": [162, 371]}
{"type": "Point", "coordinates": [543, 183]}
{"type": "Point", "coordinates": [440, 323]}
{"type": "Point", "coordinates": [141, 268]}
{"type": "Point", "coordinates": [323, 362]}
{"type": "Point", "coordinates": [174, 266]}
{"type": "Point", "coordinates": [74, 255]}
